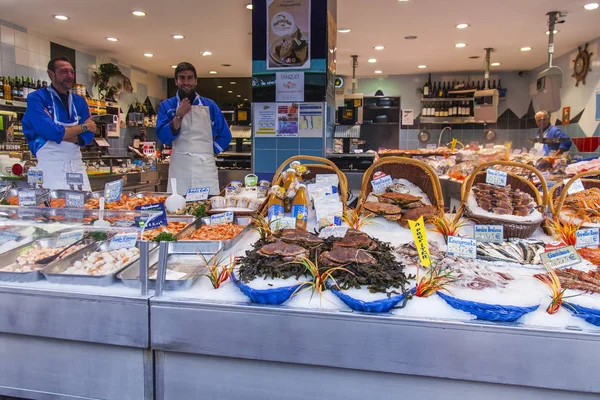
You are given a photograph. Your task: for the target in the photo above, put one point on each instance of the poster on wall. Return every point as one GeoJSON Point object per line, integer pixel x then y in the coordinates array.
{"type": "Point", "coordinates": [408, 116]}
{"type": "Point", "coordinates": [566, 115]}
{"type": "Point", "coordinates": [287, 120]}
{"type": "Point", "coordinates": [310, 120]}
{"type": "Point", "coordinates": [289, 86]}
{"type": "Point", "coordinates": [265, 115]}
{"type": "Point", "coordinates": [288, 34]}
{"type": "Point", "coordinates": [598, 106]}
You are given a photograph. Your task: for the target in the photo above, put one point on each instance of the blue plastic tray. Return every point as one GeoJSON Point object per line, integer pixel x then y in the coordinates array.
{"type": "Point", "coordinates": [377, 306]}
{"type": "Point", "coordinates": [488, 312]}
{"type": "Point", "coordinates": [265, 296]}
{"type": "Point", "coordinates": [590, 315]}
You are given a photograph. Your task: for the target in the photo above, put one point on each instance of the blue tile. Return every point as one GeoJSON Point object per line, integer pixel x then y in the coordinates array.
{"type": "Point", "coordinates": [8, 52]}
{"type": "Point", "coordinates": [265, 161]}
{"type": "Point", "coordinates": [311, 144]}
{"type": "Point", "coordinates": [263, 143]}
{"type": "Point", "coordinates": [283, 155]}
{"type": "Point", "coordinates": [313, 153]}
{"type": "Point", "coordinates": [285, 143]}
{"type": "Point", "coordinates": [403, 134]}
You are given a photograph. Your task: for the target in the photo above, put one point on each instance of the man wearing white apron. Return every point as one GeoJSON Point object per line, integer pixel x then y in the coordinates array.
{"type": "Point", "coordinates": [56, 124]}
{"type": "Point", "coordinates": [197, 130]}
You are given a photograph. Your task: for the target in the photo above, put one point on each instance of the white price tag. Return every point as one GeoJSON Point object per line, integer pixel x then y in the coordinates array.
{"type": "Point", "coordinates": [462, 247]}
{"type": "Point", "coordinates": [335, 231]}
{"type": "Point", "coordinates": [6, 237]}
{"type": "Point", "coordinates": [380, 184]}
{"type": "Point", "coordinates": [113, 191]}
{"type": "Point", "coordinates": [68, 238]}
{"type": "Point", "coordinates": [123, 241]}
{"type": "Point", "coordinates": [75, 181]}
{"type": "Point", "coordinates": [495, 177]}
{"type": "Point", "coordinates": [489, 233]}
{"type": "Point", "coordinates": [27, 198]}
{"type": "Point", "coordinates": [431, 146]}
{"type": "Point", "coordinates": [75, 199]}
{"type": "Point", "coordinates": [589, 237]}
{"type": "Point", "coordinates": [561, 258]}
{"type": "Point", "coordinates": [197, 194]}
{"type": "Point", "coordinates": [576, 187]}
{"type": "Point", "coordinates": [222, 218]}
{"type": "Point", "coordinates": [285, 223]}
{"type": "Point", "coordinates": [35, 177]}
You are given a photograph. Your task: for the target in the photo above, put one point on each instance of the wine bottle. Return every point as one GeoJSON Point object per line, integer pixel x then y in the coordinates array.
{"type": "Point", "coordinates": [426, 87]}
{"type": "Point", "coordinates": [442, 89]}
{"type": "Point", "coordinates": [39, 84]}
{"type": "Point", "coordinates": [499, 85]}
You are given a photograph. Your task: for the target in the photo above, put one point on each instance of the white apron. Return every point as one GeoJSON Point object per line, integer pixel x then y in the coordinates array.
{"type": "Point", "coordinates": [192, 161]}
{"type": "Point", "coordinates": [55, 159]}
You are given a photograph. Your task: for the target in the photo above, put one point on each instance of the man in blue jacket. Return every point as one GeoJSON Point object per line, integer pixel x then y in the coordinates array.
{"type": "Point", "coordinates": [549, 131]}
{"type": "Point", "coordinates": [56, 124]}
{"type": "Point", "coordinates": [197, 129]}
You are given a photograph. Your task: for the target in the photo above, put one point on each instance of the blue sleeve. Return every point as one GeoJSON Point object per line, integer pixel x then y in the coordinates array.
{"type": "Point", "coordinates": [84, 114]}
{"type": "Point", "coordinates": [163, 124]}
{"type": "Point", "coordinates": [38, 119]}
{"type": "Point", "coordinates": [220, 129]}
{"type": "Point", "coordinates": [565, 146]}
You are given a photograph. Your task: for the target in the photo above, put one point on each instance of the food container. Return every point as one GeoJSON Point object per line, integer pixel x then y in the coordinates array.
{"type": "Point", "coordinates": [231, 202]}
{"type": "Point", "coordinates": [262, 192]}
{"type": "Point", "coordinates": [217, 202]}
{"type": "Point", "coordinates": [264, 183]}
{"type": "Point", "coordinates": [236, 184]}
{"type": "Point", "coordinates": [255, 204]}
{"type": "Point", "coordinates": [41, 195]}
{"type": "Point", "coordinates": [231, 191]}
{"type": "Point", "coordinates": [243, 202]}
{"type": "Point", "coordinates": [251, 181]}
{"type": "Point", "coordinates": [206, 246]}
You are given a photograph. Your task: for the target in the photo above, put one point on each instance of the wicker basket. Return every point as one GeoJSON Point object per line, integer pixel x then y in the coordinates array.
{"type": "Point", "coordinates": [265, 296]}
{"type": "Point", "coordinates": [377, 306]}
{"type": "Point", "coordinates": [415, 171]}
{"type": "Point", "coordinates": [590, 315]}
{"type": "Point", "coordinates": [559, 192]}
{"type": "Point", "coordinates": [488, 312]}
{"type": "Point", "coordinates": [512, 229]}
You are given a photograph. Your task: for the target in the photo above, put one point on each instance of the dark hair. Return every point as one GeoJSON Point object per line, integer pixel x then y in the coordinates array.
{"type": "Point", "coordinates": [51, 65]}
{"type": "Point", "coordinates": [185, 66]}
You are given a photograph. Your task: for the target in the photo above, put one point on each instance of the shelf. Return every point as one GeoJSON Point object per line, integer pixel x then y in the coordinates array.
{"type": "Point", "coordinates": [437, 99]}
{"type": "Point", "coordinates": [373, 107]}
{"type": "Point", "coordinates": [12, 103]}
{"type": "Point", "coordinates": [380, 123]}
{"type": "Point", "coordinates": [448, 120]}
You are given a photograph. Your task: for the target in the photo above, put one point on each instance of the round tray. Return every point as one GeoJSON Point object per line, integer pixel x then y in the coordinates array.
{"type": "Point", "coordinates": [274, 296]}
{"type": "Point", "coordinates": [590, 315]}
{"type": "Point", "coordinates": [377, 306]}
{"type": "Point", "coordinates": [488, 312]}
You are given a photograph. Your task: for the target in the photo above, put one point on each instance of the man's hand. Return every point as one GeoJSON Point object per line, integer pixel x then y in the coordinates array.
{"type": "Point", "coordinates": [91, 125]}
{"type": "Point", "coordinates": [184, 107]}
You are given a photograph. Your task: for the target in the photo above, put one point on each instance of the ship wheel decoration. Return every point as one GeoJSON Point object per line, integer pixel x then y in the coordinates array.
{"type": "Point", "coordinates": [582, 65]}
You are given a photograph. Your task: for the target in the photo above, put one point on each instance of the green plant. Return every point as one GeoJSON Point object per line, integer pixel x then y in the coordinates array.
{"type": "Point", "coordinates": [218, 270]}
{"type": "Point", "coordinates": [102, 80]}
{"type": "Point", "coordinates": [319, 276]}
{"type": "Point", "coordinates": [434, 279]}
{"type": "Point", "coordinates": [139, 107]}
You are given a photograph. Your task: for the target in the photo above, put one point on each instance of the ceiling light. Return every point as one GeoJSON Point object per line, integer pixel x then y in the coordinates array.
{"type": "Point", "coordinates": [372, 60]}
{"type": "Point", "coordinates": [462, 26]}
{"type": "Point", "coordinates": [238, 95]}
{"type": "Point", "coordinates": [232, 83]}
{"type": "Point", "coordinates": [212, 72]}
{"type": "Point", "coordinates": [61, 17]}
{"type": "Point", "coordinates": [591, 6]}
{"type": "Point", "coordinates": [112, 39]}
{"type": "Point", "coordinates": [379, 47]}
{"type": "Point", "coordinates": [245, 99]}
{"type": "Point", "coordinates": [525, 48]}
{"type": "Point", "coordinates": [173, 66]}
{"type": "Point", "coordinates": [378, 72]}
{"type": "Point", "coordinates": [230, 91]}
{"type": "Point", "coordinates": [206, 53]}
{"type": "Point", "coordinates": [411, 37]}
{"type": "Point", "coordinates": [138, 13]}
{"type": "Point", "coordinates": [219, 87]}
{"type": "Point", "coordinates": [422, 66]}
{"type": "Point", "coordinates": [460, 45]}
{"type": "Point", "coordinates": [495, 64]}
{"type": "Point", "coordinates": [148, 55]}
{"type": "Point", "coordinates": [403, 1]}
{"type": "Point", "coordinates": [344, 30]}
{"type": "Point", "coordinates": [249, 6]}
{"type": "Point", "coordinates": [555, 32]}
{"type": "Point", "coordinates": [178, 36]}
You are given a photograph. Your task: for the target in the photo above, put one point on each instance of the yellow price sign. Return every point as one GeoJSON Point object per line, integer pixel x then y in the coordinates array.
{"type": "Point", "coordinates": [418, 230]}
{"type": "Point", "coordinates": [453, 144]}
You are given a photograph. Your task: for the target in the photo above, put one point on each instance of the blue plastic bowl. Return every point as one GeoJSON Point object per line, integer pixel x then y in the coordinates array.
{"type": "Point", "coordinates": [265, 296]}
{"type": "Point", "coordinates": [488, 312]}
{"type": "Point", "coordinates": [590, 315]}
{"type": "Point", "coordinates": [377, 306]}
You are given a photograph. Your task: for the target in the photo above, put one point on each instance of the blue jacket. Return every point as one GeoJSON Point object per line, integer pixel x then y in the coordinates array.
{"type": "Point", "coordinates": [38, 123]}
{"type": "Point", "coordinates": [554, 132]}
{"type": "Point", "coordinates": [220, 130]}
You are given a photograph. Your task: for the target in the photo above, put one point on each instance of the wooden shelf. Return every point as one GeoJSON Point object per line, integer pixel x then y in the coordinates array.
{"type": "Point", "coordinates": [448, 120]}
{"type": "Point", "coordinates": [374, 107]}
{"type": "Point", "coordinates": [438, 99]}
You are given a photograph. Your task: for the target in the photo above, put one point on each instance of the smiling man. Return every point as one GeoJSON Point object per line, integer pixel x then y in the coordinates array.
{"type": "Point", "coordinates": [197, 130]}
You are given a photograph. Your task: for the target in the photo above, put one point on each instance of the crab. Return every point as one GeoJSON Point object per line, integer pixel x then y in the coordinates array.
{"type": "Point", "coordinates": [340, 255]}
{"type": "Point", "coordinates": [288, 252]}
{"type": "Point", "coordinates": [414, 214]}
{"type": "Point", "coordinates": [357, 241]}
{"type": "Point", "coordinates": [400, 199]}
{"type": "Point", "coordinates": [300, 237]}
{"type": "Point", "coordinates": [386, 210]}
{"type": "Point", "coordinates": [398, 188]}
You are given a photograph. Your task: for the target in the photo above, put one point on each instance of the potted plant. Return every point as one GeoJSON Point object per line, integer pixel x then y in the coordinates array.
{"type": "Point", "coordinates": [109, 80]}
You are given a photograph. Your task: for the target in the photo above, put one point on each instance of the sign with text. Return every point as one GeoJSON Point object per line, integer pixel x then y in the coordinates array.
{"type": "Point", "coordinates": [589, 237]}
{"type": "Point", "coordinates": [495, 177]}
{"type": "Point", "coordinates": [380, 184]}
{"type": "Point", "coordinates": [288, 34]}
{"type": "Point", "coordinates": [418, 231]}
{"type": "Point", "coordinates": [156, 220]}
{"type": "Point", "coordinates": [123, 241]}
{"type": "Point", "coordinates": [27, 198]}
{"type": "Point", "coordinates": [198, 194]}
{"type": "Point", "coordinates": [75, 199]}
{"type": "Point", "coordinates": [576, 186]}
{"type": "Point", "coordinates": [113, 191]}
{"type": "Point", "coordinates": [68, 238]}
{"type": "Point", "coordinates": [489, 233]}
{"type": "Point", "coordinates": [75, 181]}
{"type": "Point", "coordinates": [561, 258]}
{"type": "Point", "coordinates": [6, 237]}
{"type": "Point", "coordinates": [223, 218]}
{"type": "Point", "coordinates": [289, 86]}
{"type": "Point", "coordinates": [462, 247]}
{"type": "Point", "coordinates": [335, 231]}
{"type": "Point", "coordinates": [35, 177]}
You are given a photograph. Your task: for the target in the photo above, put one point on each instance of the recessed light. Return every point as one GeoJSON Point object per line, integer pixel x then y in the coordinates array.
{"type": "Point", "coordinates": [411, 37]}
{"type": "Point", "coordinates": [206, 53]}
{"type": "Point", "coordinates": [138, 13]}
{"type": "Point", "coordinates": [112, 39]}
{"type": "Point", "coordinates": [555, 32]}
{"type": "Point", "coordinates": [148, 55]}
{"type": "Point", "coordinates": [462, 26]}
{"type": "Point", "coordinates": [212, 72]}
{"type": "Point", "coordinates": [249, 6]}
{"type": "Point", "coordinates": [591, 6]}
{"type": "Point", "coordinates": [379, 47]}
{"type": "Point", "coordinates": [219, 87]}
{"type": "Point", "coordinates": [403, 1]}
{"type": "Point", "coordinates": [372, 60]}
{"type": "Point", "coordinates": [173, 66]}
{"type": "Point", "coordinates": [525, 48]}
{"type": "Point", "coordinates": [230, 91]}
{"type": "Point", "coordinates": [378, 72]}
{"type": "Point", "coordinates": [238, 95]}
{"type": "Point", "coordinates": [232, 83]}
{"type": "Point", "coordinates": [460, 45]}
{"type": "Point", "coordinates": [495, 64]}
{"type": "Point", "coordinates": [422, 66]}
{"type": "Point", "coordinates": [344, 30]}
{"type": "Point", "coordinates": [178, 36]}
{"type": "Point", "coordinates": [61, 17]}
{"type": "Point", "coordinates": [245, 99]}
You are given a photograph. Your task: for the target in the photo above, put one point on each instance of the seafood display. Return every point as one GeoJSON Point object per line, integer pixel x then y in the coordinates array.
{"type": "Point", "coordinates": [26, 262]}
{"type": "Point", "coordinates": [574, 279]}
{"type": "Point", "coordinates": [126, 202]}
{"type": "Point", "coordinates": [520, 251]}
{"type": "Point", "coordinates": [103, 262]}
{"type": "Point", "coordinates": [583, 206]}
{"type": "Point", "coordinates": [172, 227]}
{"type": "Point", "coordinates": [503, 200]}
{"type": "Point", "coordinates": [215, 232]}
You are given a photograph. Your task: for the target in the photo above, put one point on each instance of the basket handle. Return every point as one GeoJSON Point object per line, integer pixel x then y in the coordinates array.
{"type": "Point", "coordinates": [286, 163]}
{"type": "Point", "coordinates": [555, 209]}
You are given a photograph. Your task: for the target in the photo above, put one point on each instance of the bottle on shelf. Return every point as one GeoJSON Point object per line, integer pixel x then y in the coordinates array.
{"type": "Point", "coordinates": [39, 84]}
{"type": "Point", "coordinates": [494, 86]}
{"type": "Point", "coordinates": [275, 209]}
{"type": "Point", "coordinates": [300, 207]}
{"type": "Point", "coordinates": [441, 90]}
{"type": "Point", "coordinates": [1, 87]}
{"type": "Point", "coordinates": [426, 87]}
{"type": "Point", "coordinates": [434, 90]}
{"type": "Point", "coordinates": [7, 89]}
{"type": "Point", "coordinates": [499, 85]}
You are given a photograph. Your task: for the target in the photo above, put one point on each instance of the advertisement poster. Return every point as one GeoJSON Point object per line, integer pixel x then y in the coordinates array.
{"type": "Point", "coordinates": [289, 86]}
{"type": "Point", "coordinates": [265, 115]}
{"type": "Point", "coordinates": [408, 116]}
{"type": "Point", "coordinates": [287, 120]}
{"type": "Point", "coordinates": [288, 34]}
{"type": "Point", "coordinates": [311, 120]}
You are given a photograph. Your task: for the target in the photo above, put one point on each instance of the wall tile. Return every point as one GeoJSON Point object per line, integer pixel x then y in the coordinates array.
{"type": "Point", "coordinates": [8, 68]}
{"type": "Point", "coordinates": [284, 143]}
{"type": "Point", "coordinates": [32, 43]}
{"type": "Point", "coordinates": [313, 153]}
{"type": "Point", "coordinates": [7, 35]}
{"type": "Point", "coordinates": [21, 70]}
{"type": "Point", "coordinates": [265, 161]}
{"type": "Point", "coordinates": [20, 56]}
{"type": "Point", "coordinates": [265, 143]}
{"type": "Point", "coordinates": [33, 59]}
{"type": "Point", "coordinates": [44, 46]}
{"type": "Point", "coordinates": [311, 144]}
{"type": "Point", "coordinates": [8, 52]}
{"type": "Point", "coordinates": [283, 155]}
{"type": "Point", "coordinates": [21, 39]}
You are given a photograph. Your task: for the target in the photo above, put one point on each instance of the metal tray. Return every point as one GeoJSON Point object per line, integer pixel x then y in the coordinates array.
{"type": "Point", "coordinates": [41, 195]}
{"type": "Point", "coordinates": [10, 257]}
{"type": "Point", "coordinates": [152, 194]}
{"type": "Point", "coordinates": [131, 275]}
{"type": "Point", "coordinates": [188, 219]}
{"type": "Point", "coordinates": [61, 194]}
{"type": "Point", "coordinates": [19, 230]}
{"type": "Point", "coordinates": [206, 246]}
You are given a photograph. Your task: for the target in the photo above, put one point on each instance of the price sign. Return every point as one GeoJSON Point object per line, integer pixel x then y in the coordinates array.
{"type": "Point", "coordinates": [75, 199]}
{"type": "Point", "coordinates": [589, 237]}
{"type": "Point", "coordinates": [6, 237]}
{"type": "Point", "coordinates": [75, 181]}
{"type": "Point", "coordinates": [495, 177]}
{"type": "Point", "coordinates": [489, 233]}
{"type": "Point", "coordinates": [226, 217]}
{"type": "Point", "coordinates": [561, 258]}
{"type": "Point", "coordinates": [123, 241]}
{"type": "Point", "coordinates": [35, 177]}
{"type": "Point", "coordinates": [335, 231]}
{"type": "Point", "coordinates": [27, 198]}
{"type": "Point", "coordinates": [197, 194]}
{"type": "Point", "coordinates": [575, 187]}
{"type": "Point", "coordinates": [462, 247]}
{"type": "Point", "coordinates": [380, 184]}
{"type": "Point", "coordinates": [113, 191]}
{"type": "Point", "coordinates": [418, 231]}
{"type": "Point", "coordinates": [431, 146]}
{"type": "Point", "coordinates": [68, 238]}
{"type": "Point", "coordinates": [157, 220]}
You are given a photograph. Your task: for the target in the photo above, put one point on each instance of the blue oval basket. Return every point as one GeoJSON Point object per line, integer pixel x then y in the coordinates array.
{"type": "Point", "coordinates": [488, 312]}
{"type": "Point", "coordinates": [590, 315]}
{"type": "Point", "coordinates": [265, 296]}
{"type": "Point", "coordinates": [377, 306]}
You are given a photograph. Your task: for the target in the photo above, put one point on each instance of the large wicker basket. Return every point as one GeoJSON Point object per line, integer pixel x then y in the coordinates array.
{"type": "Point", "coordinates": [414, 171]}
{"type": "Point", "coordinates": [512, 229]}
{"type": "Point", "coordinates": [559, 192]}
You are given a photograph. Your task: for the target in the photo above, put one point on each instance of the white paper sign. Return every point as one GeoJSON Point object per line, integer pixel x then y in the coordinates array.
{"type": "Point", "coordinates": [462, 247]}
{"type": "Point", "coordinates": [222, 218]}
{"type": "Point", "coordinates": [289, 86]}
{"type": "Point", "coordinates": [408, 116]}
{"type": "Point", "coordinates": [6, 237]}
{"type": "Point", "coordinates": [123, 241]}
{"type": "Point", "coordinates": [197, 194]}
{"type": "Point", "coordinates": [75, 199]}
{"type": "Point", "coordinates": [35, 177]}
{"type": "Point", "coordinates": [495, 177]}
{"type": "Point", "coordinates": [335, 231]}
{"type": "Point", "coordinates": [75, 180]}
{"type": "Point", "coordinates": [589, 237]}
{"type": "Point", "coordinates": [265, 115]}
{"type": "Point", "coordinates": [68, 238]}
{"type": "Point", "coordinates": [431, 146]}
{"type": "Point", "coordinates": [380, 184]}
{"type": "Point", "coordinates": [561, 258]}
{"type": "Point", "coordinates": [27, 198]}
{"type": "Point", "coordinates": [489, 233]}
{"type": "Point", "coordinates": [576, 187]}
